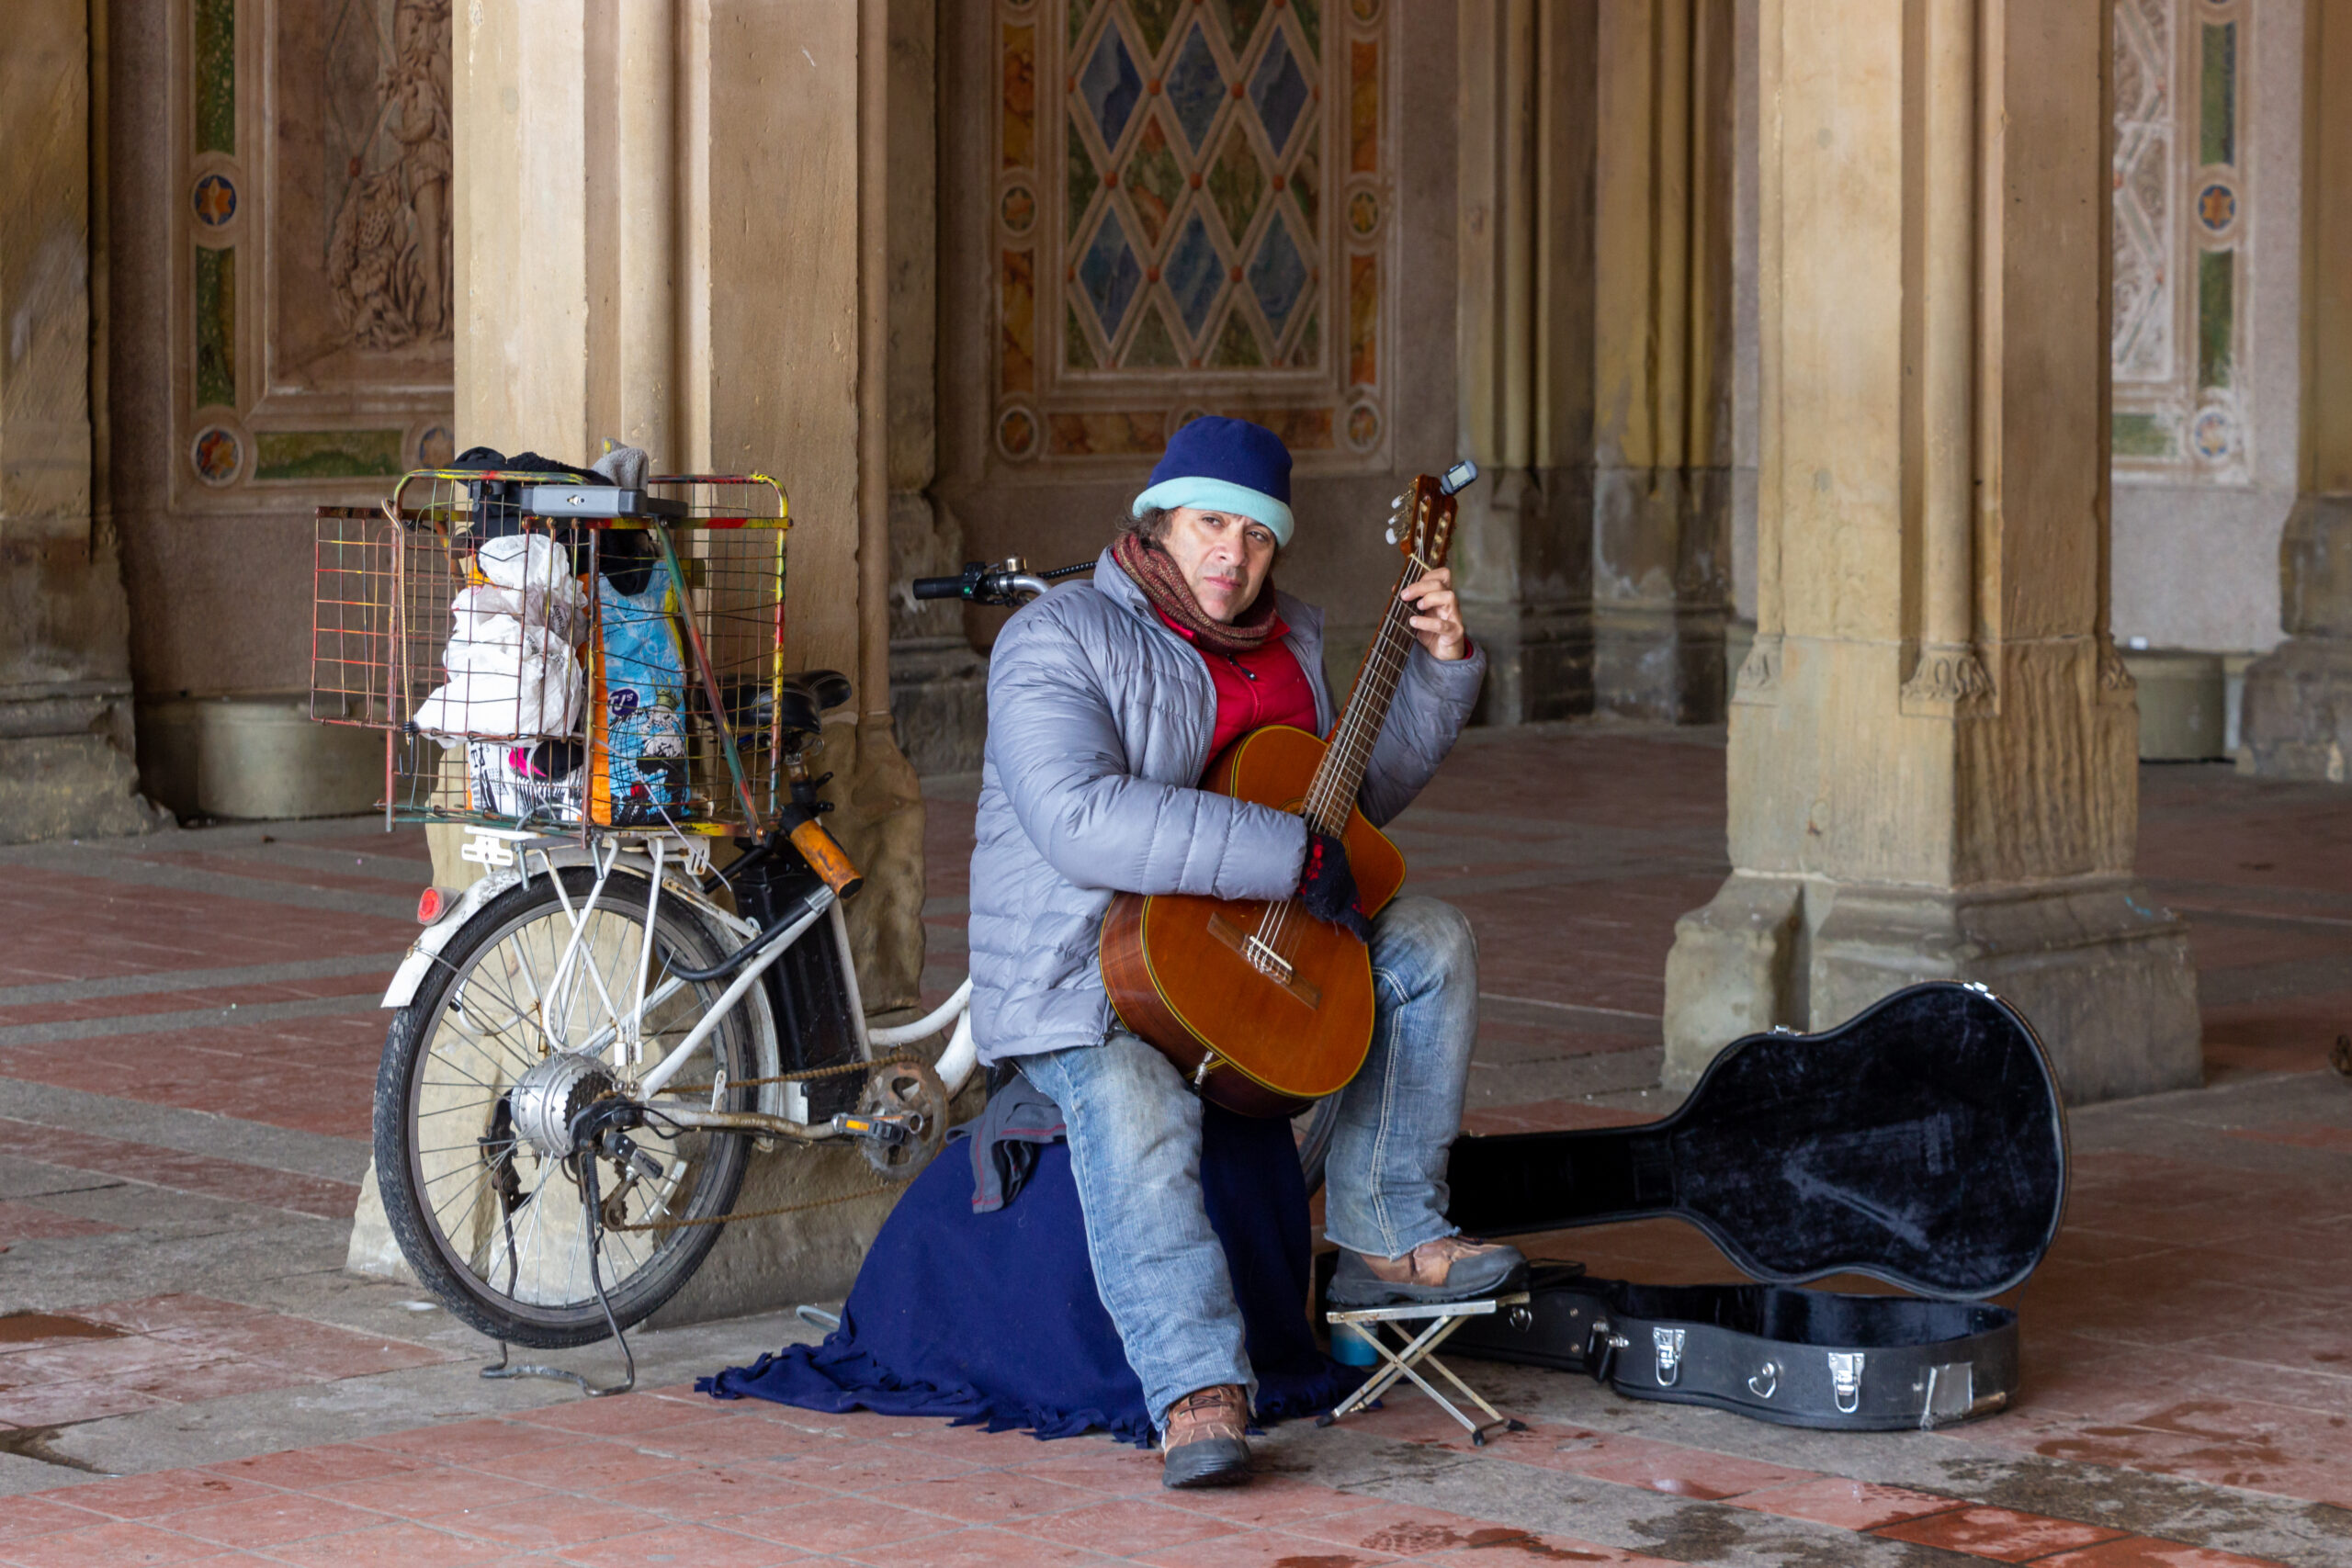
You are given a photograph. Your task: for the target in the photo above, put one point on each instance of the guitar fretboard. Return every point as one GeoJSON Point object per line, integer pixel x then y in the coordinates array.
{"type": "Point", "coordinates": [1333, 796]}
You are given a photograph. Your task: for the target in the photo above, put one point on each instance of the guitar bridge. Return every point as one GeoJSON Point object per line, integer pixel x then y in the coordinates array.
{"type": "Point", "coordinates": [1266, 962]}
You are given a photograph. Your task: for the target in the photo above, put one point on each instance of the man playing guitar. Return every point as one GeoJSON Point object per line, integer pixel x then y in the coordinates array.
{"type": "Point", "coordinates": [1106, 700]}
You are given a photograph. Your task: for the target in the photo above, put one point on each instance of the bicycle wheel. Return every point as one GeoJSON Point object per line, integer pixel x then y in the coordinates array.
{"type": "Point", "coordinates": [496, 1227]}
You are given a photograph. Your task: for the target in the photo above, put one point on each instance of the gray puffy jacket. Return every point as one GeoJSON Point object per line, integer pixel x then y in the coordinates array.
{"type": "Point", "coordinates": [1100, 720]}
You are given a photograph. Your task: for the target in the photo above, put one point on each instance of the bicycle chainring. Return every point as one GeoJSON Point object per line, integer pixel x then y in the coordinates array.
{"type": "Point", "coordinates": [910, 1089]}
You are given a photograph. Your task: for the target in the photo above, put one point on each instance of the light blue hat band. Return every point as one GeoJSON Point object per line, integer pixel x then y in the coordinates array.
{"type": "Point", "coordinates": [1217, 495]}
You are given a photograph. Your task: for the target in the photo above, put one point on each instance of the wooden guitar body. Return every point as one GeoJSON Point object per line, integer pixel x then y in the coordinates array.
{"type": "Point", "coordinates": [1179, 972]}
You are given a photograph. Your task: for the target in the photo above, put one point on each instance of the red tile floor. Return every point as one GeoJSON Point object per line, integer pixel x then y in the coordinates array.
{"type": "Point", "coordinates": [187, 1043]}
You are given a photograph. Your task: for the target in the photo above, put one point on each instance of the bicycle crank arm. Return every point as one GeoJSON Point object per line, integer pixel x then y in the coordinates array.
{"type": "Point", "coordinates": [890, 1129]}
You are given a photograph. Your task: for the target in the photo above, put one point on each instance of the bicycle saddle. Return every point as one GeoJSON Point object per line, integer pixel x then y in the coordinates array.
{"type": "Point", "coordinates": [802, 699]}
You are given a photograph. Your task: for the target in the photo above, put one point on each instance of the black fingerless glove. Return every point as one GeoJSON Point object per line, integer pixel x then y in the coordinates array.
{"type": "Point", "coordinates": [1328, 887]}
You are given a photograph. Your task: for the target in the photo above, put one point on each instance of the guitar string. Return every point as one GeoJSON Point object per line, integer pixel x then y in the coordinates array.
{"type": "Point", "coordinates": [1390, 653]}
{"type": "Point", "coordinates": [1351, 749]}
{"type": "Point", "coordinates": [1353, 741]}
{"type": "Point", "coordinates": [1321, 789]}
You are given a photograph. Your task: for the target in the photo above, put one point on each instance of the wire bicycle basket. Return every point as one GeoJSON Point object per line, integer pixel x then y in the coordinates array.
{"type": "Point", "coordinates": [547, 652]}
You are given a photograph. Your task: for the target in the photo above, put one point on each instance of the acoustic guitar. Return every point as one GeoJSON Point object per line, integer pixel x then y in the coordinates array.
{"type": "Point", "coordinates": [1265, 1008]}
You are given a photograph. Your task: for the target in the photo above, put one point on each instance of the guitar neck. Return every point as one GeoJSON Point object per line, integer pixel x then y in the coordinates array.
{"type": "Point", "coordinates": [1333, 796]}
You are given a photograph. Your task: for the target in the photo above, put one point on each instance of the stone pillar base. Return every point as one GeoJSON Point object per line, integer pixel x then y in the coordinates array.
{"type": "Point", "coordinates": [2296, 722]}
{"type": "Point", "coordinates": [2098, 967]}
{"type": "Point", "coordinates": [2297, 718]}
{"type": "Point", "coordinates": [1659, 661]}
{"type": "Point", "coordinates": [66, 769]}
{"type": "Point", "coordinates": [1539, 664]}
{"type": "Point", "coordinates": [939, 703]}
{"type": "Point", "coordinates": [759, 1265]}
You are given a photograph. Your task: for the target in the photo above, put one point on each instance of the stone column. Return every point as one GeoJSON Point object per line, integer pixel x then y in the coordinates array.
{"type": "Point", "coordinates": [938, 680]}
{"type": "Point", "coordinates": [2297, 721]}
{"type": "Point", "coordinates": [1932, 741]}
{"type": "Point", "coordinates": [744, 327]}
{"type": "Point", "coordinates": [66, 717]}
{"type": "Point", "coordinates": [1662, 349]}
{"type": "Point", "coordinates": [1594, 350]}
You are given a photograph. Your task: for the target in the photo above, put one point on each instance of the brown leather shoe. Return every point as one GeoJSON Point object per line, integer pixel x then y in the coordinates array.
{"type": "Point", "coordinates": [1451, 1268]}
{"type": "Point", "coordinates": [1206, 1440]}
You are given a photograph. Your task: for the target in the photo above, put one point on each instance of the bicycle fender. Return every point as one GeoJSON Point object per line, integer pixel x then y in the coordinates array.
{"type": "Point", "coordinates": [429, 942]}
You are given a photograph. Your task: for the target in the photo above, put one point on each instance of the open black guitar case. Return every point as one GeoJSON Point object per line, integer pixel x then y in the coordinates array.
{"type": "Point", "coordinates": [1921, 1143]}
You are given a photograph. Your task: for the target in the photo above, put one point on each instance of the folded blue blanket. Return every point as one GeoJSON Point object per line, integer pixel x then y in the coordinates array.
{"type": "Point", "coordinates": [993, 1317]}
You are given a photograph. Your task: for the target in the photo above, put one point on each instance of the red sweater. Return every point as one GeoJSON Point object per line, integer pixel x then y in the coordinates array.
{"type": "Point", "coordinates": [1255, 689]}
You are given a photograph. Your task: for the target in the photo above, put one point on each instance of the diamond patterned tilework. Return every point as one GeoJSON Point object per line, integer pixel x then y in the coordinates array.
{"type": "Point", "coordinates": [1154, 347]}
{"type": "Point", "coordinates": [1278, 276]}
{"type": "Point", "coordinates": [1195, 86]}
{"type": "Point", "coordinates": [1084, 180]}
{"type": "Point", "coordinates": [1110, 86]}
{"type": "Point", "coordinates": [1153, 20]}
{"type": "Point", "coordinates": [1077, 352]}
{"type": "Point", "coordinates": [1310, 342]}
{"type": "Point", "coordinates": [1306, 179]}
{"type": "Point", "coordinates": [1154, 182]}
{"type": "Point", "coordinates": [1236, 182]}
{"type": "Point", "coordinates": [1278, 90]}
{"type": "Point", "coordinates": [1078, 12]}
{"type": "Point", "coordinates": [1194, 275]}
{"type": "Point", "coordinates": [1310, 22]}
{"type": "Point", "coordinates": [1110, 273]}
{"type": "Point", "coordinates": [1237, 345]}
{"type": "Point", "coordinates": [1240, 19]}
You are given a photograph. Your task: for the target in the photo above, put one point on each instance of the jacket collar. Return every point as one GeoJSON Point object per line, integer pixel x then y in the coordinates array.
{"type": "Point", "coordinates": [1305, 636]}
{"type": "Point", "coordinates": [1112, 581]}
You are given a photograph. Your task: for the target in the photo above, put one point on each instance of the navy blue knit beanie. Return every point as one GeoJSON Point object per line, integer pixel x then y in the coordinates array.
{"type": "Point", "coordinates": [1224, 464]}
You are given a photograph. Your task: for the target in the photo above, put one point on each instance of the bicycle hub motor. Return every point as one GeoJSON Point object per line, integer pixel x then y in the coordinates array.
{"type": "Point", "coordinates": [549, 1095]}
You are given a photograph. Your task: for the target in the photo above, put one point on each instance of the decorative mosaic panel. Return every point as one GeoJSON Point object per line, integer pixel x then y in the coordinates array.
{"type": "Point", "coordinates": [313, 319]}
{"type": "Point", "coordinates": [2182, 227]}
{"type": "Point", "coordinates": [1193, 215]}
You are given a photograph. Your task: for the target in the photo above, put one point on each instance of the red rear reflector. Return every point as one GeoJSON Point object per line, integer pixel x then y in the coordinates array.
{"type": "Point", "coordinates": [431, 905]}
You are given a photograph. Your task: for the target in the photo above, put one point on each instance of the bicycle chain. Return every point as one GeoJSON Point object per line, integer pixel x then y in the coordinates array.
{"type": "Point", "coordinates": [899, 1059]}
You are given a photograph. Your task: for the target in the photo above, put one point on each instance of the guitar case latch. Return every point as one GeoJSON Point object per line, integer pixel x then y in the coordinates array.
{"type": "Point", "coordinates": [1667, 1343]}
{"type": "Point", "coordinates": [1846, 1380]}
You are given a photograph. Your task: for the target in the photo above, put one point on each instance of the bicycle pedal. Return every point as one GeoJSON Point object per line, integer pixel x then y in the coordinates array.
{"type": "Point", "coordinates": [889, 1130]}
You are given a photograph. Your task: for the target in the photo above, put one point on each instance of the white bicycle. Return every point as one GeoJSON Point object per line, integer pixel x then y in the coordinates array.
{"type": "Point", "coordinates": [589, 1041]}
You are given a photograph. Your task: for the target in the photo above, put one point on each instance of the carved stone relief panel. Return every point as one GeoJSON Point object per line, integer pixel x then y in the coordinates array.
{"type": "Point", "coordinates": [1192, 214]}
{"type": "Point", "coordinates": [2184, 226]}
{"type": "Point", "coordinates": [312, 322]}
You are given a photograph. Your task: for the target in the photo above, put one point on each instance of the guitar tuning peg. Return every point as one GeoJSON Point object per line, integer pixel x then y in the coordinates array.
{"type": "Point", "coordinates": [1395, 501]}
{"type": "Point", "coordinates": [1392, 536]}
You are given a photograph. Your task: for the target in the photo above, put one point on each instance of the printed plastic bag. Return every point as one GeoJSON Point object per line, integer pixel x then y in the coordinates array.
{"type": "Point", "coordinates": [641, 706]}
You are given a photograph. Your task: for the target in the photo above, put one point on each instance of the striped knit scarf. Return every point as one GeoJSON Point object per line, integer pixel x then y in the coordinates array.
{"type": "Point", "coordinates": [1162, 581]}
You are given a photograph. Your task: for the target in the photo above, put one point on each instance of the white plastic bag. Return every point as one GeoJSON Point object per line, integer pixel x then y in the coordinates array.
{"type": "Point", "coordinates": [505, 689]}
{"type": "Point", "coordinates": [562, 610]}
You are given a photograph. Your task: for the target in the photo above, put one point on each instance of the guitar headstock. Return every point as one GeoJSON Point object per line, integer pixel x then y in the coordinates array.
{"type": "Point", "coordinates": [1422, 525]}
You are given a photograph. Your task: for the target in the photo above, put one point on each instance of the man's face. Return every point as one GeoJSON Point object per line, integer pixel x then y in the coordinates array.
{"type": "Point", "coordinates": [1224, 558]}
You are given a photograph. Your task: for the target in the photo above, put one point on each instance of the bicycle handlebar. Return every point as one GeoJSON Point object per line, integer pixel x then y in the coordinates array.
{"type": "Point", "coordinates": [1008, 583]}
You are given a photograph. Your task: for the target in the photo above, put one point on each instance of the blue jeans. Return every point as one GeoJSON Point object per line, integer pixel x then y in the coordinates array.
{"type": "Point", "coordinates": [1135, 1143]}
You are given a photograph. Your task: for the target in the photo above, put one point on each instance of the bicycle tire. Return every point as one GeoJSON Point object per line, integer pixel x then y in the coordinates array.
{"type": "Point", "coordinates": [639, 1277]}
